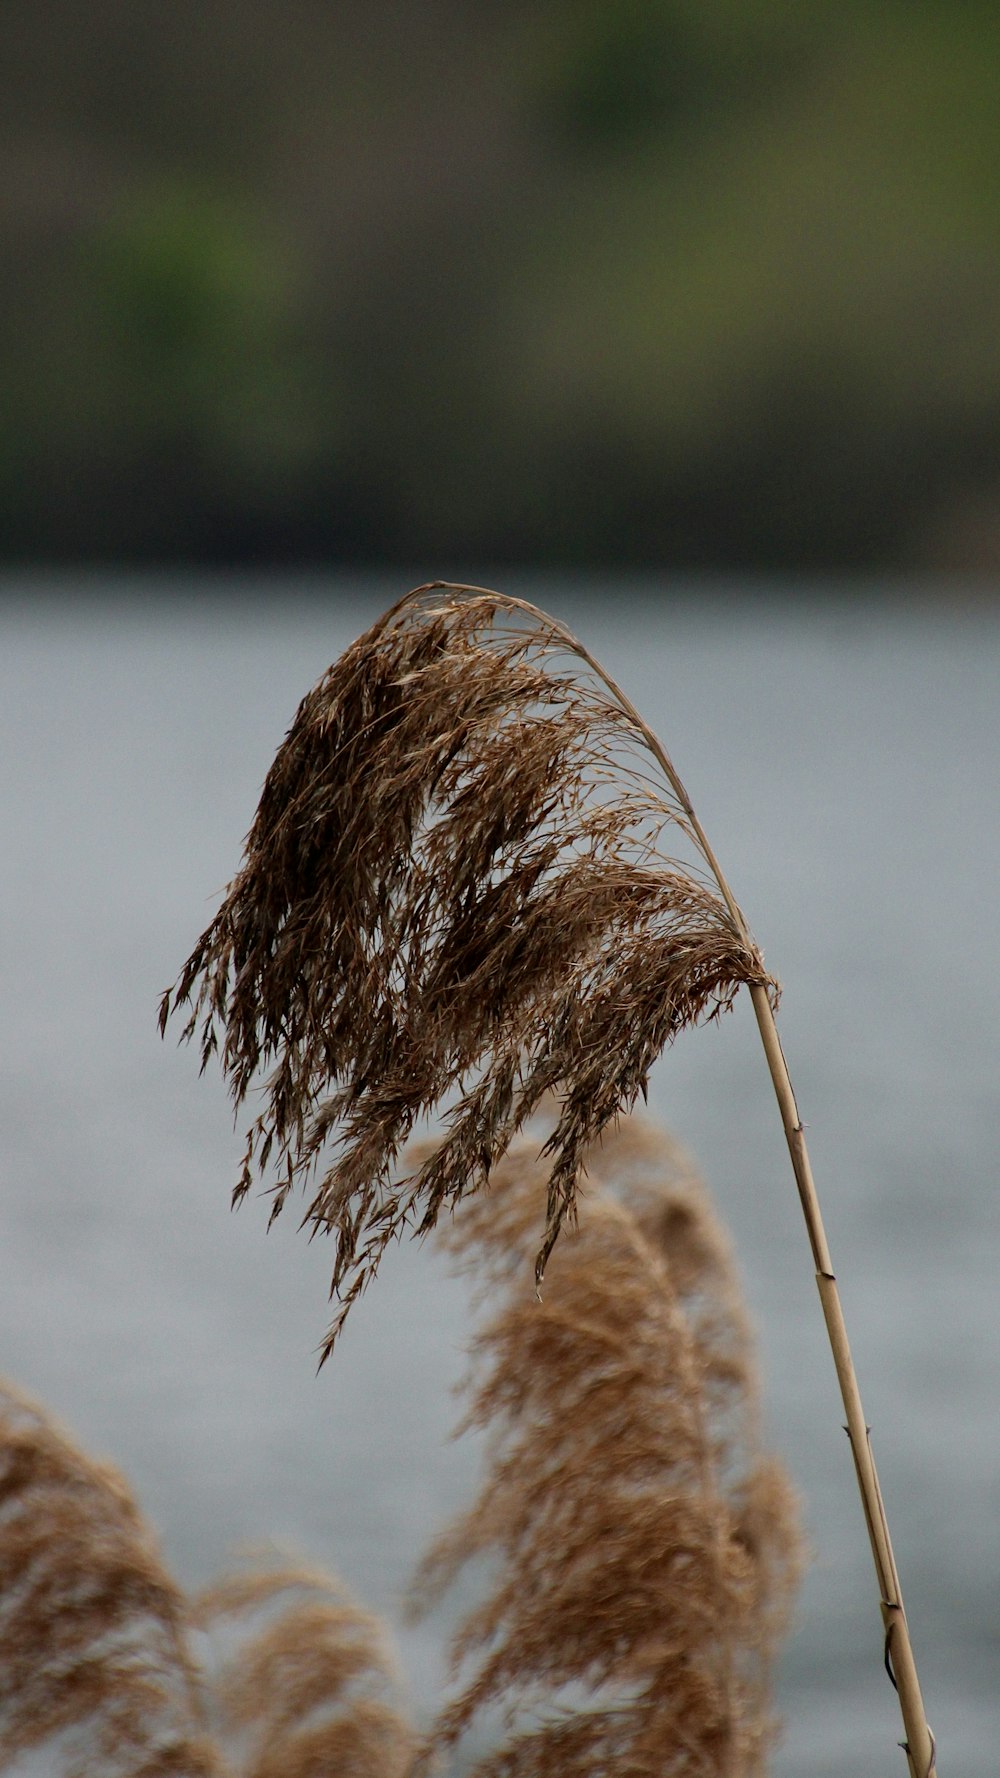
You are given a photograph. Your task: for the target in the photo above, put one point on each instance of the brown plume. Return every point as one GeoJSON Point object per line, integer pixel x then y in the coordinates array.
{"type": "Point", "coordinates": [92, 1645]}
{"type": "Point", "coordinates": [457, 898]}
{"type": "Point", "coordinates": [304, 1691]}
{"type": "Point", "coordinates": [95, 1641]}
{"type": "Point", "coordinates": [643, 1552]}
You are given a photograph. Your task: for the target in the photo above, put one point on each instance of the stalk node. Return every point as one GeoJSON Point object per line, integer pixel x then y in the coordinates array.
{"type": "Point", "coordinates": [887, 1657]}
{"type": "Point", "coordinates": [905, 1745]}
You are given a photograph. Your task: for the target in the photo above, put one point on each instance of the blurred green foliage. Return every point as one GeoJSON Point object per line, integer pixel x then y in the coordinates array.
{"type": "Point", "coordinates": [193, 310]}
{"type": "Point", "coordinates": [696, 284]}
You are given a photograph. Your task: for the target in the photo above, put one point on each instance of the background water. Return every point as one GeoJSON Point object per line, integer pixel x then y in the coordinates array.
{"type": "Point", "coordinates": [843, 759]}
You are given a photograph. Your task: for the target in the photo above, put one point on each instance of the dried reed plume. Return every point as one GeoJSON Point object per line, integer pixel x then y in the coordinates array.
{"type": "Point", "coordinates": [92, 1643]}
{"type": "Point", "coordinates": [95, 1641]}
{"type": "Point", "coordinates": [303, 1692]}
{"type": "Point", "coordinates": [456, 894]}
{"type": "Point", "coordinates": [647, 1550]}
{"type": "Point", "coordinates": [644, 1551]}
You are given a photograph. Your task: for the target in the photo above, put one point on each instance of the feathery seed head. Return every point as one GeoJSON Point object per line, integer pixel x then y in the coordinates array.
{"type": "Point", "coordinates": [92, 1644]}
{"type": "Point", "coordinates": [643, 1551]}
{"type": "Point", "coordinates": [305, 1688]}
{"type": "Point", "coordinates": [457, 898]}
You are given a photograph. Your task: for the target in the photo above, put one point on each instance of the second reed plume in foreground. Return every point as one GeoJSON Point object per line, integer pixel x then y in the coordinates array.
{"type": "Point", "coordinates": [642, 1548]}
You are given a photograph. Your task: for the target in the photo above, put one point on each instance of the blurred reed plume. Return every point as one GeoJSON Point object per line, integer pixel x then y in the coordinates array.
{"type": "Point", "coordinates": [644, 1552]}
{"type": "Point", "coordinates": [459, 897]}
{"type": "Point", "coordinates": [301, 1691]}
{"type": "Point", "coordinates": [96, 1662]}
{"type": "Point", "coordinates": [93, 1647]}
{"type": "Point", "coordinates": [456, 894]}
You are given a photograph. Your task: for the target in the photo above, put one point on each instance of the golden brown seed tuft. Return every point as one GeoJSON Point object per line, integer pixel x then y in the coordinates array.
{"type": "Point", "coordinates": [92, 1628]}
{"type": "Point", "coordinates": [304, 1692]}
{"type": "Point", "coordinates": [457, 898]}
{"type": "Point", "coordinates": [643, 1551]}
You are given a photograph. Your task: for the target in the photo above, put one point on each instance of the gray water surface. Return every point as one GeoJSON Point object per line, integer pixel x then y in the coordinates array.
{"type": "Point", "coordinates": [844, 760]}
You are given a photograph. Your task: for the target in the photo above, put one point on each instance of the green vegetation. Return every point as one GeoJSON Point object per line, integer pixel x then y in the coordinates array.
{"type": "Point", "coordinates": [693, 285]}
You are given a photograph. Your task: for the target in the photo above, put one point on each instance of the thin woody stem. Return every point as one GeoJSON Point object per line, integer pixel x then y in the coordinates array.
{"type": "Point", "coordinates": [919, 1744]}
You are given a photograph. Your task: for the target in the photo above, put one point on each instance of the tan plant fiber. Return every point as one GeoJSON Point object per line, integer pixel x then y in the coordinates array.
{"type": "Point", "coordinates": [455, 896]}
{"type": "Point", "coordinates": [92, 1628]}
{"type": "Point", "coordinates": [95, 1641]}
{"type": "Point", "coordinates": [304, 1691]}
{"type": "Point", "coordinates": [644, 1552]}
{"type": "Point", "coordinates": [458, 896]}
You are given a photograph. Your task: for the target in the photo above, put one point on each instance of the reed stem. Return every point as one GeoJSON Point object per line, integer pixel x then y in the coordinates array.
{"type": "Point", "coordinates": [901, 1666]}
{"type": "Point", "coordinates": [919, 1744]}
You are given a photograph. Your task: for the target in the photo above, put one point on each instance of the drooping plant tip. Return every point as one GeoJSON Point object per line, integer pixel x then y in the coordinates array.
{"type": "Point", "coordinates": [459, 896]}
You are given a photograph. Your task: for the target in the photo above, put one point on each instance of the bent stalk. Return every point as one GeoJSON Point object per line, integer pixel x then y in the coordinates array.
{"type": "Point", "coordinates": [919, 1745]}
{"type": "Point", "coordinates": [455, 902]}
